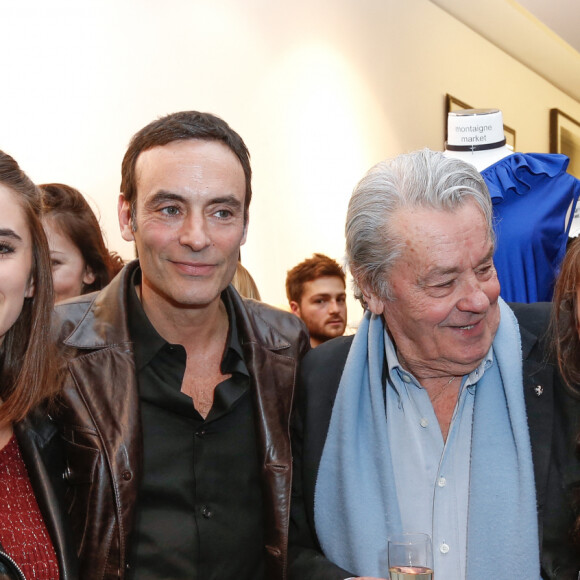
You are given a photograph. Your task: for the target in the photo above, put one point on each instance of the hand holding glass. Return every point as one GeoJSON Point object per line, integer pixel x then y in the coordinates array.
{"type": "Point", "coordinates": [410, 557]}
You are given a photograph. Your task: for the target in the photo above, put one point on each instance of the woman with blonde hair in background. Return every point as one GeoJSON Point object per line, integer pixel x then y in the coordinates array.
{"type": "Point", "coordinates": [245, 284]}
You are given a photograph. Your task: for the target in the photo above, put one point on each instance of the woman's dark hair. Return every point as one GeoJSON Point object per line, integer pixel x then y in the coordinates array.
{"type": "Point", "coordinates": [565, 325]}
{"type": "Point", "coordinates": [27, 355]}
{"type": "Point", "coordinates": [564, 332]}
{"type": "Point", "coordinates": [74, 217]}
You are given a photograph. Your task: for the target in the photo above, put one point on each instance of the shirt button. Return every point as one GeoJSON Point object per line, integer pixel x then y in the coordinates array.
{"type": "Point", "coordinates": [444, 548]}
{"type": "Point", "coordinates": [441, 482]}
{"type": "Point", "coordinates": [200, 433]}
{"type": "Point", "coordinates": [424, 422]}
{"type": "Point", "coordinates": [206, 512]}
{"type": "Point", "coordinates": [406, 378]}
{"type": "Point", "coordinates": [127, 475]}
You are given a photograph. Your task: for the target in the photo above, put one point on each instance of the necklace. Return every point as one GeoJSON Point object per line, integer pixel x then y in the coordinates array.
{"type": "Point", "coordinates": [443, 389]}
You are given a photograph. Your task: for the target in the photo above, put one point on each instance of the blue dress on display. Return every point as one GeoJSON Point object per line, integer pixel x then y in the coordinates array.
{"type": "Point", "coordinates": [532, 198]}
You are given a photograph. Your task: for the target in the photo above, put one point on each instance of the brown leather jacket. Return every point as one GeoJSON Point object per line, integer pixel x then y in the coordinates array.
{"type": "Point", "coordinates": [101, 424]}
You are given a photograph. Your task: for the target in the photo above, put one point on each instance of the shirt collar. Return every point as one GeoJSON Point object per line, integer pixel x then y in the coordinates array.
{"type": "Point", "coordinates": [147, 342]}
{"type": "Point", "coordinates": [233, 361]}
{"type": "Point", "coordinates": [395, 368]}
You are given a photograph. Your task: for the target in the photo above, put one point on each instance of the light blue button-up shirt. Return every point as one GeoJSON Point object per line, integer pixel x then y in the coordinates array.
{"type": "Point", "coordinates": [431, 475]}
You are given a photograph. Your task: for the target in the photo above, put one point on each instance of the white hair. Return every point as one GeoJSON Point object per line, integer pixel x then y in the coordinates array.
{"type": "Point", "coordinates": [425, 179]}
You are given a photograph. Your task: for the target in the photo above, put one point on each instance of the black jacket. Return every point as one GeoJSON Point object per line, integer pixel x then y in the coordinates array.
{"type": "Point", "coordinates": [554, 421]}
{"type": "Point", "coordinates": [42, 452]}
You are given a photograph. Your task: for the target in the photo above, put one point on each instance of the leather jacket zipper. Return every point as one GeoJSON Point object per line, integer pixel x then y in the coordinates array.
{"type": "Point", "coordinates": [13, 567]}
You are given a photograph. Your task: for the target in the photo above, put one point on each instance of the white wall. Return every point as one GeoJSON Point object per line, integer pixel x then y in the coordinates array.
{"type": "Point", "coordinates": [319, 89]}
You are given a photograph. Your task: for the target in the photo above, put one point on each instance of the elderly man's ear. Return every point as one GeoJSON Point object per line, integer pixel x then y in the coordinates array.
{"type": "Point", "coordinates": [374, 303]}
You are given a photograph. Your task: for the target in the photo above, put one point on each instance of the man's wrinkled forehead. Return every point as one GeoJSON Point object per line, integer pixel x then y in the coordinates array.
{"type": "Point", "coordinates": [169, 154]}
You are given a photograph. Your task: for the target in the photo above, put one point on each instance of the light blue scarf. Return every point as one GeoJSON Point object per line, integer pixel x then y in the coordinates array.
{"type": "Point", "coordinates": [355, 498]}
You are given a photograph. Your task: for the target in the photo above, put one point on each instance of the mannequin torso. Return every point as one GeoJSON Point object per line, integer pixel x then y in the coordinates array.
{"type": "Point", "coordinates": [477, 137]}
{"type": "Point", "coordinates": [481, 159]}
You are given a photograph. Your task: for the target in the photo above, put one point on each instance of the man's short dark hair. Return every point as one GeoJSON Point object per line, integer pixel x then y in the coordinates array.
{"type": "Point", "coordinates": [311, 269]}
{"type": "Point", "coordinates": [181, 127]}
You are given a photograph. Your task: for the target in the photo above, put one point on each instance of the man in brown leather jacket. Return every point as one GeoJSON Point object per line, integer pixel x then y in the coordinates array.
{"type": "Point", "coordinates": [178, 391]}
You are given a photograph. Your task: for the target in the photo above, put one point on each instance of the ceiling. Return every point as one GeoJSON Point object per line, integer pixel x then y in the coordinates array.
{"type": "Point", "coordinates": [544, 36]}
{"type": "Point", "coordinates": [562, 16]}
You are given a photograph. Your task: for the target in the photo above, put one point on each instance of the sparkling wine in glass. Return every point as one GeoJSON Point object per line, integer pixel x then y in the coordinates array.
{"type": "Point", "coordinates": [410, 557]}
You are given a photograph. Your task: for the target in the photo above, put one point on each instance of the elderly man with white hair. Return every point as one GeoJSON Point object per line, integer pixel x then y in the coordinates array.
{"type": "Point", "coordinates": [442, 415]}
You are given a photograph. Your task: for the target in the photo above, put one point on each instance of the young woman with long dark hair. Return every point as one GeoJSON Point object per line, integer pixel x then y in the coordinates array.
{"type": "Point", "coordinates": [33, 530]}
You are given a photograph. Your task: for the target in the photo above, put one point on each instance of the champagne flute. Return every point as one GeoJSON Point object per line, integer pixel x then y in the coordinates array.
{"type": "Point", "coordinates": [410, 557]}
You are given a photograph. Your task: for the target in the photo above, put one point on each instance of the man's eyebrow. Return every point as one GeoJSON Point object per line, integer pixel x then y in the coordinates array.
{"type": "Point", "coordinates": [488, 256]}
{"type": "Point", "coordinates": [327, 295]}
{"type": "Point", "coordinates": [164, 195]}
{"type": "Point", "coordinates": [442, 272]}
{"type": "Point", "coordinates": [230, 200]}
{"type": "Point", "coordinates": [9, 233]}
{"type": "Point", "coordinates": [436, 273]}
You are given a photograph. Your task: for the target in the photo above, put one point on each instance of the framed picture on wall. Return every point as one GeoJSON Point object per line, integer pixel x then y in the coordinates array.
{"type": "Point", "coordinates": [565, 139]}
{"type": "Point", "coordinates": [510, 137]}
{"type": "Point", "coordinates": [454, 104]}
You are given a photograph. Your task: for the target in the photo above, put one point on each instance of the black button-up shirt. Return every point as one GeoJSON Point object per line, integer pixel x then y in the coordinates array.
{"type": "Point", "coordinates": [199, 514]}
